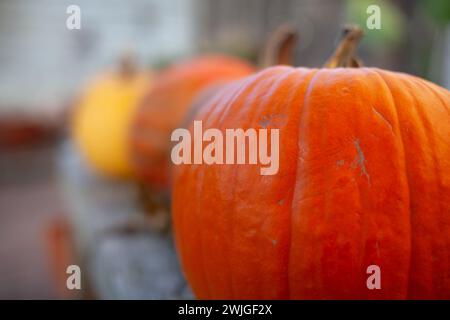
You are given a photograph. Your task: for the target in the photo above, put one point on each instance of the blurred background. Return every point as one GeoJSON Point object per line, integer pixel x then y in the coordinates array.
{"type": "Point", "coordinates": [44, 66]}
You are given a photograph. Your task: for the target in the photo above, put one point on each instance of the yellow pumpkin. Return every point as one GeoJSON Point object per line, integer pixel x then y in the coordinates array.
{"type": "Point", "coordinates": [102, 119]}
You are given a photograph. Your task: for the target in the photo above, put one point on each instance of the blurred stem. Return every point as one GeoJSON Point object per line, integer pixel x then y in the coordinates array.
{"type": "Point", "coordinates": [279, 49]}
{"type": "Point", "coordinates": [127, 64]}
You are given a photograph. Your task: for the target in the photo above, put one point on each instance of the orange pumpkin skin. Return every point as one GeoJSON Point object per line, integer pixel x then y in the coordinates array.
{"type": "Point", "coordinates": [167, 105]}
{"type": "Point", "coordinates": [364, 179]}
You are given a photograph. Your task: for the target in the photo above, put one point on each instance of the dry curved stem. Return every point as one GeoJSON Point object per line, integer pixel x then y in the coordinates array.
{"type": "Point", "coordinates": [127, 64]}
{"type": "Point", "coordinates": [345, 54]}
{"type": "Point", "coordinates": [279, 49]}
{"type": "Point", "coordinates": [156, 206]}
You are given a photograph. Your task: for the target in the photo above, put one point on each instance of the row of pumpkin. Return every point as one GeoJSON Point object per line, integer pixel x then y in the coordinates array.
{"type": "Point", "coordinates": [123, 121]}
{"type": "Point", "coordinates": [345, 197]}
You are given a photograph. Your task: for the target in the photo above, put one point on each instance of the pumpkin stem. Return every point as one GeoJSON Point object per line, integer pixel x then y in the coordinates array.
{"type": "Point", "coordinates": [156, 206]}
{"type": "Point", "coordinates": [279, 48]}
{"type": "Point", "coordinates": [127, 64]}
{"type": "Point", "coordinates": [345, 54]}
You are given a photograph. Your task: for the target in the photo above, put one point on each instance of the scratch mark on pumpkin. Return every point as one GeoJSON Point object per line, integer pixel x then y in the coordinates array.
{"type": "Point", "coordinates": [301, 153]}
{"type": "Point", "coordinates": [340, 163]}
{"type": "Point", "coordinates": [274, 120]}
{"type": "Point", "coordinates": [382, 117]}
{"type": "Point", "coordinates": [345, 90]}
{"type": "Point", "coordinates": [360, 160]}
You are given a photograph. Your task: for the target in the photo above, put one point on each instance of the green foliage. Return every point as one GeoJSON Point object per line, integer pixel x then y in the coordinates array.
{"type": "Point", "coordinates": [392, 22]}
{"type": "Point", "coordinates": [439, 10]}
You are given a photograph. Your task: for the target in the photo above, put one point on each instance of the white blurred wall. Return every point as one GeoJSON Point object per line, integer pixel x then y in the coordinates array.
{"type": "Point", "coordinates": [42, 63]}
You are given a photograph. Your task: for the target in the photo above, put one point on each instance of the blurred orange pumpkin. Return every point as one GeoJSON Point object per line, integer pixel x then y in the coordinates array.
{"type": "Point", "coordinates": [166, 106]}
{"type": "Point", "coordinates": [180, 91]}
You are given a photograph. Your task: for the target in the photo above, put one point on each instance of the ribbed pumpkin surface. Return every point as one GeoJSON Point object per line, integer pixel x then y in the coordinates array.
{"type": "Point", "coordinates": [364, 179]}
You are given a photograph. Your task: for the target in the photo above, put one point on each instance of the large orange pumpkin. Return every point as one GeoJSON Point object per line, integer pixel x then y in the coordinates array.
{"type": "Point", "coordinates": [167, 105]}
{"type": "Point", "coordinates": [364, 179]}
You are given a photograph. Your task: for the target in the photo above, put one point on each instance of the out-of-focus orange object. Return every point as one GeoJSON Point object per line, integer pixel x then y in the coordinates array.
{"type": "Point", "coordinates": [16, 131]}
{"type": "Point", "coordinates": [167, 105]}
{"type": "Point", "coordinates": [62, 253]}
